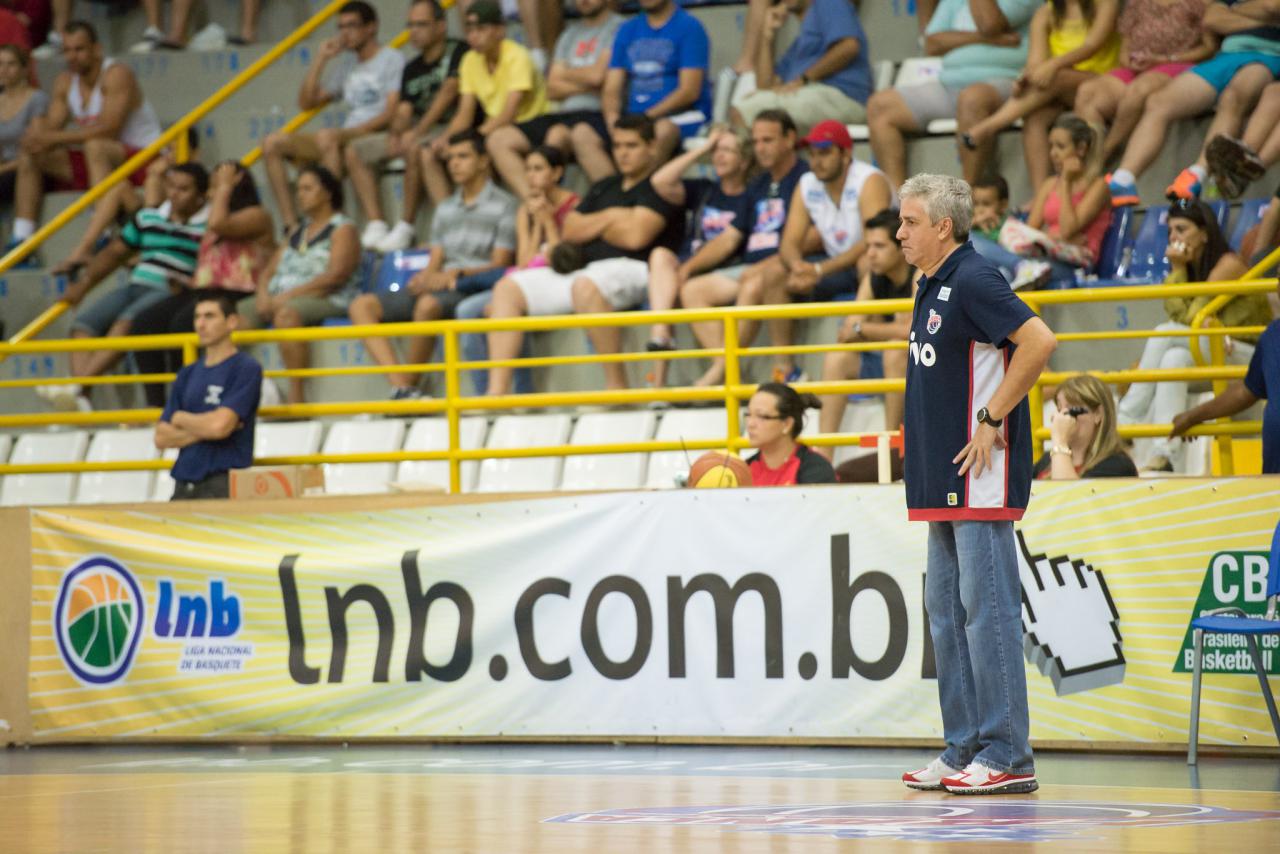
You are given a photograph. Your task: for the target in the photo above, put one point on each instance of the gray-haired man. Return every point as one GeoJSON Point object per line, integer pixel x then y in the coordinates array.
{"type": "Point", "coordinates": [975, 352]}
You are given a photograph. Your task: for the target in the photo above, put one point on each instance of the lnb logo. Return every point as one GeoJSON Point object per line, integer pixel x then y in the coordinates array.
{"type": "Point", "coordinates": [98, 620]}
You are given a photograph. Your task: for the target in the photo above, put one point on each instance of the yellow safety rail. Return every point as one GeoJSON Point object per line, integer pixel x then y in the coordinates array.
{"type": "Point", "coordinates": [178, 132]}
{"type": "Point", "coordinates": [734, 390]}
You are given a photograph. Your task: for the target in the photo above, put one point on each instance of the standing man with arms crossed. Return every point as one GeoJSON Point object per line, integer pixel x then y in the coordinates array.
{"type": "Point", "coordinates": [212, 407]}
{"type": "Point", "coordinates": [975, 351]}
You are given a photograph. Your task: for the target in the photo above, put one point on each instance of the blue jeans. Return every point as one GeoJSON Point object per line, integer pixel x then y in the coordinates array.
{"type": "Point", "coordinates": [476, 347]}
{"type": "Point", "coordinates": [974, 599]}
{"type": "Point", "coordinates": [1062, 275]}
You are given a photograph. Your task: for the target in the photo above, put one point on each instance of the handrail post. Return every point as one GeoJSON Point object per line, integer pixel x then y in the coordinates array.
{"type": "Point", "coordinates": [1222, 444]}
{"type": "Point", "coordinates": [451, 400]}
{"type": "Point", "coordinates": [190, 351]}
{"type": "Point", "coordinates": [732, 377]}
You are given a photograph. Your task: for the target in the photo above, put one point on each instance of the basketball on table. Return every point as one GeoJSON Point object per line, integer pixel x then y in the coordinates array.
{"type": "Point", "coordinates": [719, 470]}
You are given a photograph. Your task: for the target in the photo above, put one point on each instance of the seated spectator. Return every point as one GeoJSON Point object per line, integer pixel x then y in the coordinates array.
{"type": "Point", "coordinates": [1237, 163]}
{"type": "Point", "coordinates": [775, 417]}
{"type": "Point", "coordinates": [367, 79]}
{"type": "Point", "coordinates": [983, 48]}
{"type": "Point", "coordinates": [1197, 253]}
{"type": "Point", "coordinates": [773, 140]}
{"type": "Point", "coordinates": [824, 74]}
{"type": "Point", "coordinates": [616, 225]}
{"type": "Point", "coordinates": [1229, 83]}
{"type": "Point", "coordinates": [20, 105]}
{"type": "Point", "coordinates": [312, 276]}
{"type": "Point", "coordinates": [990, 207]}
{"type": "Point", "coordinates": [1261, 382]}
{"type": "Point", "coordinates": [1159, 39]}
{"type": "Point", "coordinates": [497, 78]}
{"type": "Point", "coordinates": [237, 243]}
{"type": "Point", "coordinates": [539, 224]}
{"type": "Point", "coordinates": [1259, 241]}
{"type": "Point", "coordinates": [1084, 441]}
{"type": "Point", "coordinates": [889, 276]}
{"type": "Point", "coordinates": [98, 118]}
{"type": "Point", "coordinates": [167, 241]}
{"type": "Point", "coordinates": [428, 96]}
{"type": "Point", "coordinates": [472, 233]}
{"type": "Point", "coordinates": [576, 79]}
{"type": "Point", "coordinates": [721, 212]}
{"type": "Point", "coordinates": [659, 67]}
{"type": "Point", "coordinates": [211, 414]}
{"type": "Point", "coordinates": [836, 197]}
{"type": "Point", "coordinates": [1072, 41]}
{"type": "Point", "coordinates": [1069, 216]}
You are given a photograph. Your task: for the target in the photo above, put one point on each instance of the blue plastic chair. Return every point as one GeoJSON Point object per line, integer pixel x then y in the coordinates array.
{"type": "Point", "coordinates": [1221, 211]}
{"type": "Point", "coordinates": [1234, 621]}
{"type": "Point", "coordinates": [1251, 211]}
{"type": "Point", "coordinates": [1114, 242]}
{"type": "Point", "coordinates": [1148, 263]}
{"type": "Point", "coordinates": [398, 268]}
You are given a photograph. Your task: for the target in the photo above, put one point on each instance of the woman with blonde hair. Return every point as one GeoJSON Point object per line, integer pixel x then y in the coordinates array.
{"type": "Point", "coordinates": [1084, 440]}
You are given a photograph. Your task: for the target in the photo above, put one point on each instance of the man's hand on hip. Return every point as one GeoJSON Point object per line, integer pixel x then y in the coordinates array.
{"type": "Point", "coordinates": [977, 454]}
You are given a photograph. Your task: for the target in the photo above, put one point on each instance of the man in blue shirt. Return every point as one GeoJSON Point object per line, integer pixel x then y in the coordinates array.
{"type": "Point", "coordinates": [212, 407]}
{"type": "Point", "coordinates": [660, 66]}
{"type": "Point", "coordinates": [975, 351]}
{"type": "Point", "coordinates": [1261, 382]}
{"type": "Point", "coordinates": [824, 74]}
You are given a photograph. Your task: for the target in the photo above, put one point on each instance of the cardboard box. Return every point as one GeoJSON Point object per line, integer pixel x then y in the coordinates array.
{"type": "Point", "coordinates": [277, 481]}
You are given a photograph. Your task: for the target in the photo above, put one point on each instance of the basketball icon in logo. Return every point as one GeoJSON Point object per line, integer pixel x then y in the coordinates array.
{"type": "Point", "coordinates": [98, 620]}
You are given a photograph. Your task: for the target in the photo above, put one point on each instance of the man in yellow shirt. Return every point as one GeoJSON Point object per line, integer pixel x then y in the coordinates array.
{"type": "Point", "coordinates": [497, 76]}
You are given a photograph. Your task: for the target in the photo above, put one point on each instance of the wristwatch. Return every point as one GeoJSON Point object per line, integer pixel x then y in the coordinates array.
{"type": "Point", "coordinates": [857, 329]}
{"type": "Point", "coordinates": [984, 417]}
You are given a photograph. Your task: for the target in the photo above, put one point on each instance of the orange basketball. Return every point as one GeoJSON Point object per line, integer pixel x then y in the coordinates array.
{"type": "Point", "coordinates": [719, 470]}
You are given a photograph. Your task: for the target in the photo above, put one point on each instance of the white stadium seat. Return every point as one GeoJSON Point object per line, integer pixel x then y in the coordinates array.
{"type": "Point", "coordinates": [115, 487]}
{"type": "Point", "coordinates": [6, 442]}
{"type": "Point", "coordinates": [608, 471]}
{"type": "Point", "coordinates": [527, 474]}
{"type": "Point", "coordinates": [24, 489]}
{"type": "Point", "coordinates": [286, 438]}
{"type": "Point", "coordinates": [164, 481]}
{"type": "Point", "coordinates": [432, 434]}
{"type": "Point", "coordinates": [676, 425]}
{"type": "Point", "coordinates": [362, 437]}
{"type": "Point", "coordinates": [883, 73]}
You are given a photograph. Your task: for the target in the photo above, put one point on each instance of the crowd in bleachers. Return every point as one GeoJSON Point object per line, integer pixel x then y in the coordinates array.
{"type": "Point", "coordinates": [789, 208]}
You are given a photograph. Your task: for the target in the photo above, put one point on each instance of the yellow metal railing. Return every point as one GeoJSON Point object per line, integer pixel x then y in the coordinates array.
{"type": "Point", "coordinates": [177, 133]}
{"type": "Point", "coordinates": [731, 393]}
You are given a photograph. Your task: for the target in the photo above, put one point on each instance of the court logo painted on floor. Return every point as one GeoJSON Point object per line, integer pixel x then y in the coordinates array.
{"type": "Point", "coordinates": [933, 820]}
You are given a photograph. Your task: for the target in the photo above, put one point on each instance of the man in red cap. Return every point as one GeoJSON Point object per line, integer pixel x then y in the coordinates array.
{"type": "Point", "coordinates": [836, 197]}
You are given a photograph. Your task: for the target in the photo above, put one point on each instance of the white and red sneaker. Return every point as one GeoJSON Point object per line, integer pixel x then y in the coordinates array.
{"type": "Point", "coordinates": [978, 779]}
{"type": "Point", "coordinates": [929, 778]}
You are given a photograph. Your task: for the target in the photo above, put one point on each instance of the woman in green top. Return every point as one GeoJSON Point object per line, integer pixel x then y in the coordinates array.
{"type": "Point", "coordinates": [1197, 253]}
{"type": "Point", "coordinates": [313, 274]}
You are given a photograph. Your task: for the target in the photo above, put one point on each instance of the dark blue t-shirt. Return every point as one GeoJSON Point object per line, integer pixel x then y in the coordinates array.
{"type": "Point", "coordinates": [959, 353]}
{"type": "Point", "coordinates": [769, 202]}
{"type": "Point", "coordinates": [1263, 381]}
{"type": "Point", "coordinates": [235, 383]}
{"type": "Point", "coordinates": [653, 59]}
{"type": "Point", "coordinates": [712, 211]}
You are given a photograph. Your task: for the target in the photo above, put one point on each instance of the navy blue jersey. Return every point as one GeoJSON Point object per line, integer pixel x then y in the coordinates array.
{"type": "Point", "coordinates": [235, 383]}
{"type": "Point", "coordinates": [959, 351]}
{"type": "Point", "coordinates": [1263, 382]}
{"type": "Point", "coordinates": [769, 200]}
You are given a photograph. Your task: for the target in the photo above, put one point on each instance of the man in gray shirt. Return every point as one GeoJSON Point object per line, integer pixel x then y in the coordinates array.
{"type": "Point", "coordinates": [473, 240]}
{"type": "Point", "coordinates": [577, 75]}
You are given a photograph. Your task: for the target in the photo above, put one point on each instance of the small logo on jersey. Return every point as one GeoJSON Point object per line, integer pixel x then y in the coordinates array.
{"type": "Point", "coordinates": [842, 237]}
{"type": "Point", "coordinates": [213, 395]}
{"type": "Point", "coordinates": [952, 499]}
{"type": "Point", "coordinates": [944, 294]}
{"type": "Point", "coordinates": [934, 323]}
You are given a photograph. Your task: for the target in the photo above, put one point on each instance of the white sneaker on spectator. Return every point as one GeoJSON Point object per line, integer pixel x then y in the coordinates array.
{"type": "Point", "coordinates": [399, 238]}
{"type": "Point", "coordinates": [150, 38]}
{"type": "Point", "coordinates": [59, 396]}
{"type": "Point", "coordinates": [539, 57]}
{"type": "Point", "coordinates": [270, 394]}
{"type": "Point", "coordinates": [375, 231]}
{"type": "Point", "coordinates": [212, 37]}
{"type": "Point", "coordinates": [1030, 273]}
{"type": "Point", "coordinates": [50, 48]}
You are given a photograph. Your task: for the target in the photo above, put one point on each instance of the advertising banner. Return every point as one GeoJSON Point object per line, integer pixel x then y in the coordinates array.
{"type": "Point", "coordinates": [772, 613]}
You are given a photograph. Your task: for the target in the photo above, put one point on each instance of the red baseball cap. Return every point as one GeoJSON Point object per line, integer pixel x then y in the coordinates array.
{"type": "Point", "coordinates": [829, 132]}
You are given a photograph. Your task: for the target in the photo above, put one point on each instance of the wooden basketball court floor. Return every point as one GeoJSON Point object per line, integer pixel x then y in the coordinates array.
{"type": "Point", "coordinates": [561, 799]}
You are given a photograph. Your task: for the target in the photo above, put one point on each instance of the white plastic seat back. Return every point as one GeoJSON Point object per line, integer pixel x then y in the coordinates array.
{"type": "Point", "coordinates": [286, 438]}
{"type": "Point", "coordinates": [677, 425]}
{"type": "Point", "coordinates": [362, 437]}
{"type": "Point", "coordinates": [862, 416]}
{"type": "Point", "coordinates": [6, 442]}
{"type": "Point", "coordinates": [529, 474]}
{"type": "Point", "coordinates": [609, 471]}
{"type": "Point", "coordinates": [164, 480]}
{"type": "Point", "coordinates": [30, 489]}
{"type": "Point", "coordinates": [916, 70]}
{"type": "Point", "coordinates": [116, 487]}
{"type": "Point", "coordinates": [432, 434]}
